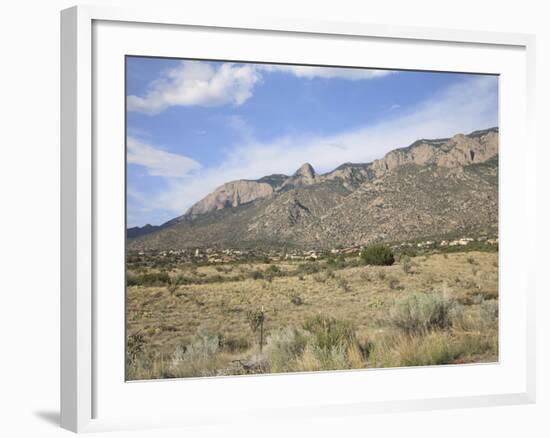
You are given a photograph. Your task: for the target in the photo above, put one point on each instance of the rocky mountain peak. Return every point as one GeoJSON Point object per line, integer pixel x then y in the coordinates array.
{"type": "Point", "coordinates": [304, 176]}
{"type": "Point", "coordinates": [306, 170]}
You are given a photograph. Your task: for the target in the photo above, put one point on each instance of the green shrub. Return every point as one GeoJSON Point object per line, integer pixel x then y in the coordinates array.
{"type": "Point", "coordinates": [343, 284]}
{"type": "Point", "coordinates": [337, 262]}
{"type": "Point", "coordinates": [394, 284]}
{"type": "Point", "coordinates": [131, 280]}
{"type": "Point", "coordinates": [257, 275]}
{"type": "Point", "coordinates": [489, 310]}
{"type": "Point", "coordinates": [365, 276]}
{"type": "Point", "coordinates": [421, 312]}
{"type": "Point", "coordinates": [296, 299]}
{"type": "Point", "coordinates": [319, 278]}
{"type": "Point", "coordinates": [234, 344]}
{"type": "Point", "coordinates": [216, 279]}
{"type": "Point", "coordinates": [148, 279]}
{"type": "Point", "coordinates": [309, 268]}
{"type": "Point", "coordinates": [274, 270]}
{"type": "Point", "coordinates": [379, 255]}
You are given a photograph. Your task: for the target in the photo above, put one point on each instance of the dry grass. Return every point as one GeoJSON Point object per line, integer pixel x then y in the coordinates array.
{"type": "Point", "coordinates": [202, 329]}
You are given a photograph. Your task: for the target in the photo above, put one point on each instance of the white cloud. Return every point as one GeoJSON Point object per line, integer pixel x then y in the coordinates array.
{"type": "Point", "coordinates": [462, 108]}
{"type": "Point", "coordinates": [159, 162]}
{"type": "Point", "coordinates": [303, 71]}
{"type": "Point", "coordinates": [203, 84]}
{"type": "Point", "coordinates": [197, 83]}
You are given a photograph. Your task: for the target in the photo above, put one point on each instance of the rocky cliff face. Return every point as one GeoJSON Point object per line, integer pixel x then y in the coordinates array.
{"type": "Point", "coordinates": [235, 193]}
{"type": "Point", "coordinates": [456, 152]}
{"type": "Point", "coordinates": [432, 187]}
{"type": "Point", "coordinates": [460, 150]}
{"type": "Point", "coordinates": [231, 194]}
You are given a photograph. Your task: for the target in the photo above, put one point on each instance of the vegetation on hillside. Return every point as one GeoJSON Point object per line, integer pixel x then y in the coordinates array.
{"type": "Point", "coordinates": [377, 255]}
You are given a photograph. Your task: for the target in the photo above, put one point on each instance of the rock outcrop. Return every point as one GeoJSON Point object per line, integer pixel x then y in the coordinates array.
{"type": "Point", "coordinates": [235, 193]}
{"type": "Point", "coordinates": [231, 194]}
{"type": "Point", "coordinates": [304, 176]}
{"type": "Point", "coordinates": [460, 150]}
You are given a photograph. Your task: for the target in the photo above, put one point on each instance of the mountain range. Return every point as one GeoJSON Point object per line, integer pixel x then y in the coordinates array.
{"type": "Point", "coordinates": [432, 188]}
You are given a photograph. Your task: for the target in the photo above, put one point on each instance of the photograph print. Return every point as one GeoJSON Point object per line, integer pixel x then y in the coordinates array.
{"type": "Point", "coordinates": [297, 218]}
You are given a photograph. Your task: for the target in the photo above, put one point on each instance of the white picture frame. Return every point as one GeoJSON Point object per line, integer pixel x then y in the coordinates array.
{"type": "Point", "coordinates": [92, 391]}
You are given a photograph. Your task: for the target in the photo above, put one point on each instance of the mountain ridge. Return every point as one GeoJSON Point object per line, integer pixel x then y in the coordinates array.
{"type": "Point", "coordinates": [301, 207]}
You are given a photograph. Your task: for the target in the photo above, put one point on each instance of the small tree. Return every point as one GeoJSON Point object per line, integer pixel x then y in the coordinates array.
{"type": "Point", "coordinates": [407, 264]}
{"type": "Point", "coordinates": [173, 285]}
{"type": "Point", "coordinates": [379, 255]}
{"type": "Point", "coordinates": [256, 320]}
{"type": "Point", "coordinates": [134, 347]}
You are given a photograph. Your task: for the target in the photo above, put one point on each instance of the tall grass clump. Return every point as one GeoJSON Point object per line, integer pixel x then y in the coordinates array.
{"type": "Point", "coordinates": [332, 345]}
{"type": "Point", "coordinates": [436, 348]}
{"type": "Point", "coordinates": [329, 332]}
{"type": "Point", "coordinates": [198, 358]}
{"type": "Point", "coordinates": [378, 255]}
{"type": "Point", "coordinates": [322, 343]}
{"type": "Point", "coordinates": [283, 347]}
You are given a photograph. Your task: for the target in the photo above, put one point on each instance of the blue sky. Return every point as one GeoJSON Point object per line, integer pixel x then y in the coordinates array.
{"type": "Point", "coordinates": [194, 125]}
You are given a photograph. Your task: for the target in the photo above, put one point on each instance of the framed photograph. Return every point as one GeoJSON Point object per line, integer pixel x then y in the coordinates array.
{"type": "Point", "coordinates": [283, 219]}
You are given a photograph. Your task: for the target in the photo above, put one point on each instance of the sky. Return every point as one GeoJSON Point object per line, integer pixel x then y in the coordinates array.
{"type": "Point", "coordinates": [195, 125]}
